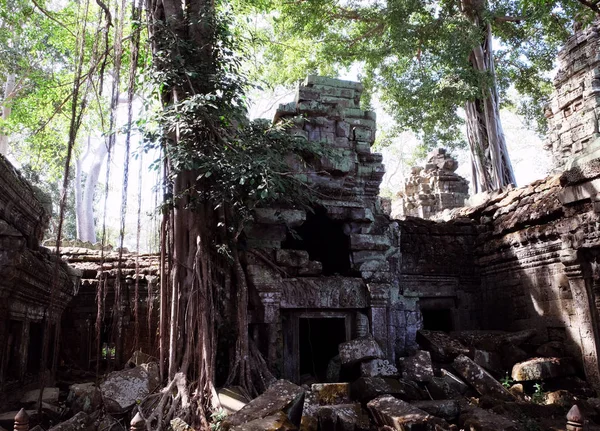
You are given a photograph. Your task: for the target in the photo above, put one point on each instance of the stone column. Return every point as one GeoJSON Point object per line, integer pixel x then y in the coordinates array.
{"type": "Point", "coordinates": [379, 299]}
{"type": "Point", "coordinates": [271, 302]}
{"type": "Point", "coordinates": [24, 349]}
{"type": "Point", "coordinates": [583, 325]}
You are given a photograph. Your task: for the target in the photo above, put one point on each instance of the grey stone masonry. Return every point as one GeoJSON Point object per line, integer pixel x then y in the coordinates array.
{"type": "Point", "coordinates": [432, 189]}
{"type": "Point", "coordinates": [574, 108]}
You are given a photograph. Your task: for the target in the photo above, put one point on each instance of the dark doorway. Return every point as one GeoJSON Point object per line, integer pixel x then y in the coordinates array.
{"type": "Point", "coordinates": [325, 241]}
{"type": "Point", "coordinates": [34, 352]}
{"type": "Point", "coordinates": [438, 320]}
{"type": "Point", "coordinates": [319, 339]}
{"type": "Point", "coordinates": [15, 333]}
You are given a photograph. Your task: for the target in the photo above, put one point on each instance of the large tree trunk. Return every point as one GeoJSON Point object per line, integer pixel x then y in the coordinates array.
{"type": "Point", "coordinates": [9, 88]}
{"type": "Point", "coordinates": [84, 197]}
{"type": "Point", "coordinates": [492, 168]}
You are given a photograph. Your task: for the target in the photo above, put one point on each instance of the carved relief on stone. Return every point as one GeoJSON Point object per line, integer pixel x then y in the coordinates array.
{"type": "Point", "coordinates": [326, 292]}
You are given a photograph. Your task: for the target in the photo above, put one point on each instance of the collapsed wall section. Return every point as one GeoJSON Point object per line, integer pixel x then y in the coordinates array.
{"type": "Point", "coordinates": [34, 288]}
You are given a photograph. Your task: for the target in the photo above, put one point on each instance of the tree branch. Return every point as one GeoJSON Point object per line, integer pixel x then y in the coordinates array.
{"type": "Point", "coordinates": [590, 4]}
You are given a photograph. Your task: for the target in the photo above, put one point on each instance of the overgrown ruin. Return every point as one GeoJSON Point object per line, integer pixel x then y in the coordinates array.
{"type": "Point", "coordinates": [408, 310]}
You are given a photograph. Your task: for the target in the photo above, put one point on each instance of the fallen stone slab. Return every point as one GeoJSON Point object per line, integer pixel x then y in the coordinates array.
{"type": "Point", "coordinates": [232, 399]}
{"type": "Point", "coordinates": [445, 409]}
{"type": "Point", "coordinates": [542, 369]}
{"type": "Point", "coordinates": [334, 368]}
{"type": "Point", "coordinates": [360, 349]}
{"type": "Point", "coordinates": [378, 368]}
{"type": "Point", "coordinates": [418, 367]}
{"type": "Point", "coordinates": [492, 340]}
{"type": "Point", "coordinates": [343, 417]}
{"type": "Point", "coordinates": [84, 397]}
{"type": "Point", "coordinates": [276, 422]}
{"type": "Point", "coordinates": [400, 415]}
{"type": "Point", "coordinates": [479, 379]}
{"type": "Point", "coordinates": [280, 396]}
{"type": "Point", "coordinates": [121, 390]}
{"type": "Point", "coordinates": [80, 422]}
{"type": "Point", "coordinates": [367, 388]}
{"type": "Point", "coordinates": [476, 419]}
{"type": "Point", "coordinates": [512, 354]}
{"type": "Point", "coordinates": [441, 346]}
{"type": "Point", "coordinates": [50, 396]}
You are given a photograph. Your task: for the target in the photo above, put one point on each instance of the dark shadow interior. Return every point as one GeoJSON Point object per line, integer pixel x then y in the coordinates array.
{"type": "Point", "coordinates": [36, 342]}
{"type": "Point", "coordinates": [325, 241]}
{"type": "Point", "coordinates": [438, 320]}
{"type": "Point", "coordinates": [319, 340]}
{"type": "Point", "coordinates": [15, 329]}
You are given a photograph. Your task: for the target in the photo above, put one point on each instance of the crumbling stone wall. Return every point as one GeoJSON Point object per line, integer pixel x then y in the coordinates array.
{"type": "Point", "coordinates": [27, 273]}
{"type": "Point", "coordinates": [432, 189]}
{"type": "Point", "coordinates": [79, 322]}
{"type": "Point", "coordinates": [574, 109]}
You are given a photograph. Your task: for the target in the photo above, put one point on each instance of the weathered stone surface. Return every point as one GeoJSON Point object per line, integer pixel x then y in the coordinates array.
{"type": "Point", "coordinates": [367, 388]}
{"type": "Point", "coordinates": [542, 369]}
{"type": "Point", "coordinates": [274, 216]}
{"type": "Point", "coordinates": [360, 349]}
{"type": "Point", "coordinates": [493, 340]}
{"type": "Point", "coordinates": [122, 389]}
{"type": "Point", "coordinates": [561, 398]}
{"type": "Point", "coordinates": [331, 393]}
{"type": "Point", "coordinates": [139, 358]}
{"type": "Point", "coordinates": [491, 361]}
{"type": "Point", "coordinates": [343, 417]}
{"type": "Point", "coordinates": [50, 395]}
{"type": "Point", "coordinates": [429, 191]}
{"type": "Point", "coordinates": [551, 349]}
{"type": "Point", "coordinates": [480, 379]}
{"type": "Point", "coordinates": [445, 409]}
{"type": "Point", "coordinates": [401, 416]}
{"type": "Point", "coordinates": [511, 354]}
{"type": "Point", "coordinates": [334, 368]}
{"type": "Point", "coordinates": [441, 346]}
{"type": "Point", "coordinates": [84, 397]}
{"type": "Point", "coordinates": [292, 258]}
{"type": "Point", "coordinates": [378, 368]}
{"type": "Point", "coordinates": [417, 367]}
{"type": "Point", "coordinates": [232, 399]}
{"type": "Point", "coordinates": [476, 419]}
{"type": "Point", "coordinates": [80, 422]}
{"type": "Point", "coordinates": [280, 396]}
{"type": "Point", "coordinates": [276, 422]}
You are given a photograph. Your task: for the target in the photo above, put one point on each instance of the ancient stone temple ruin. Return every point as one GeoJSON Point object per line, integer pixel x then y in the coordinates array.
{"type": "Point", "coordinates": [430, 190]}
{"type": "Point", "coordinates": [26, 276]}
{"type": "Point", "coordinates": [401, 323]}
{"type": "Point", "coordinates": [573, 112]}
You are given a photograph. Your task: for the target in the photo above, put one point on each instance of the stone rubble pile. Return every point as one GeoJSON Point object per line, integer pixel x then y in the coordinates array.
{"type": "Point", "coordinates": [432, 189]}
{"type": "Point", "coordinates": [87, 406]}
{"type": "Point", "coordinates": [470, 380]}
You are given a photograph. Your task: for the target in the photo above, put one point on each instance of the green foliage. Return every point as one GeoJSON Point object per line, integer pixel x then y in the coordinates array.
{"type": "Point", "coordinates": [539, 396]}
{"type": "Point", "coordinates": [507, 381]}
{"type": "Point", "coordinates": [415, 53]}
{"type": "Point", "coordinates": [216, 419]}
{"type": "Point", "coordinates": [238, 163]}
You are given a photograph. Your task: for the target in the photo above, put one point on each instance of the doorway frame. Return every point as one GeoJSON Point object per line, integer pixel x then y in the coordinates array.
{"type": "Point", "coordinates": [291, 336]}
